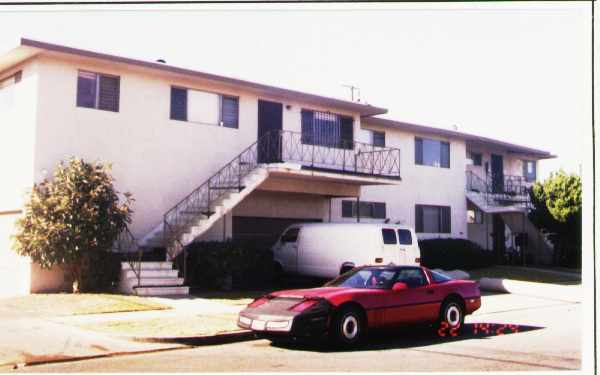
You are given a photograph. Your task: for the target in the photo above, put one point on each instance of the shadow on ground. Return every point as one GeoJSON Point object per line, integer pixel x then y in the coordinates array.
{"type": "Point", "coordinates": [412, 338]}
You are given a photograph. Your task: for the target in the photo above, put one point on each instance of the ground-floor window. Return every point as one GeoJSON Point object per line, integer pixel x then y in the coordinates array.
{"type": "Point", "coordinates": [432, 219]}
{"type": "Point", "coordinates": [475, 216]}
{"type": "Point", "coordinates": [373, 210]}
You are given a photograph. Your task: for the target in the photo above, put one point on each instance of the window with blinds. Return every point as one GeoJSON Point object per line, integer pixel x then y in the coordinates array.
{"type": "Point", "coordinates": [432, 152]}
{"type": "Point", "coordinates": [204, 107]}
{"type": "Point", "coordinates": [432, 219]}
{"type": "Point", "coordinates": [99, 91]}
{"type": "Point", "coordinates": [327, 129]}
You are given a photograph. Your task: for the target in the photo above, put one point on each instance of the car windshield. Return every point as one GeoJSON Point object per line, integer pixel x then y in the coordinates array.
{"type": "Point", "coordinates": [366, 278]}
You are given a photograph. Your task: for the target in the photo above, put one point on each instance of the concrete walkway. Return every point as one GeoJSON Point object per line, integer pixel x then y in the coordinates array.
{"type": "Point", "coordinates": [47, 339]}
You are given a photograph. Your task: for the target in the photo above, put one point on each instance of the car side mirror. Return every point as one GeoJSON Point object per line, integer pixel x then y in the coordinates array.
{"type": "Point", "coordinates": [399, 286]}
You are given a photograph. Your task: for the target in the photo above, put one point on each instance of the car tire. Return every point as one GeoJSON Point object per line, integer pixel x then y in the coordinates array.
{"type": "Point", "coordinates": [452, 317]}
{"type": "Point", "coordinates": [347, 327]}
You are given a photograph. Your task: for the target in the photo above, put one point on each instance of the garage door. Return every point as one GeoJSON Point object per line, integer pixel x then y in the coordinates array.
{"type": "Point", "coordinates": [263, 229]}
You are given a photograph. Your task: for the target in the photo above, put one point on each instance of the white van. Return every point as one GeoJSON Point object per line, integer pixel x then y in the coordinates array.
{"type": "Point", "coordinates": [330, 249]}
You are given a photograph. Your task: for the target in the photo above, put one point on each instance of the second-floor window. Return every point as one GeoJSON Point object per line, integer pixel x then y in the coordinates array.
{"type": "Point", "coordinates": [373, 210]}
{"type": "Point", "coordinates": [327, 129]}
{"type": "Point", "coordinates": [204, 107]}
{"type": "Point", "coordinates": [529, 170]}
{"type": "Point", "coordinates": [432, 152]}
{"type": "Point", "coordinates": [432, 219]}
{"type": "Point", "coordinates": [476, 157]}
{"type": "Point", "coordinates": [100, 91]}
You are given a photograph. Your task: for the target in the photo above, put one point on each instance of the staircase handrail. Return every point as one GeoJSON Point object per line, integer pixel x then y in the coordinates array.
{"type": "Point", "coordinates": [126, 238]}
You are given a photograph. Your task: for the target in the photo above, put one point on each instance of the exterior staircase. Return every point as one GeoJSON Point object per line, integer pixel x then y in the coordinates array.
{"type": "Point", "coordinates": [195, 214]}
{"type": "Point", "coordinates": [156, 279]}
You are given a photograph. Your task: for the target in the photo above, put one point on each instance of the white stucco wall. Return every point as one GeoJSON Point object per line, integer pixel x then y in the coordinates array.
{"type": "Point", "coordinates": [420, 184]}
{"type": "Point", "coordinates": [157, 159]}
{"type": "Point", "coordinates": [512, 163]}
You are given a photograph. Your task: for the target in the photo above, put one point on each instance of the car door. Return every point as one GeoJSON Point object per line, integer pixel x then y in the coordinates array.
{"type": "Point", "coordinates": [417, 304]}
{"type": "Point", "coordinates": [288, 250]}
{"type": "Point", "coordinates": [391, 252]}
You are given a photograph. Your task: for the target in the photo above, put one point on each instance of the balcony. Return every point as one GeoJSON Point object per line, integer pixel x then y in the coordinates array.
{"type": "Point", "coordinates": [499, 191]}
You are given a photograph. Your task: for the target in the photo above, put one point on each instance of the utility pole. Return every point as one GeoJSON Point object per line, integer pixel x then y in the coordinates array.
{"type": "Point", "coordinates": [352, 88]}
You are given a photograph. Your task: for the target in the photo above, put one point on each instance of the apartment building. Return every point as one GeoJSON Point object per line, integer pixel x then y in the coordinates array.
{"type": "Point", "coordinates": [209, 157]}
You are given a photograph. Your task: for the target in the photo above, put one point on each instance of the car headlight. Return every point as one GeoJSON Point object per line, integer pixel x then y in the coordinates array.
{"type": "Point", "coordinates": [245, 321]}
{"type": "Point", "coordinates": [278, 325]}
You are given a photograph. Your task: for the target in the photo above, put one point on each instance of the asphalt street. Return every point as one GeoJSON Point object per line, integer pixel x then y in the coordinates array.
{"type": "Point", "coordinates": [510, 332]}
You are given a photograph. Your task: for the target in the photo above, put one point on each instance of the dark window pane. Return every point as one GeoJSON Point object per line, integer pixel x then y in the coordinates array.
{"type": "Point", "coordinates": [178, 104]}
{"type": "Point", "coordinates": [445, 154]}
{"type": "Point", "coordinates": [476, 158]}
{"type": "Point", "coordinates": [431, 219]}
{"type": "Point", "coordinates": [109, 93]}
{"type": "Point", "coordinates": [404, 237]}
{"type": "Point", "coordinates": [379, 139]}
{"type": "Point", "coordinates": [389, 236]}
{"type": "Point", "coordinates": [445, 226]}
{"type": "Point", "coordinates": [366, 209]}
{"type": "Point", "coordinates": [291, 235]}
{"type": "Point", "coordinates": [347, 132]}
{"type": "Point", "coordinates": [439, 278]}
{"type": "Point", "coordinates": [529, 170]}
{"type": "Point", "coordinates": [379, 210]}
{"type": "Point", "coordinates": [229, 111]}
{"type": "Point", "coordinates": [418, 151]}
{"type": "Point", "coordinates": [86, 89]}
{"type": "Point", "coordinates": [431, 152]}
{"type": "Point", "coordinates": [419, 218]}
{"type": "Point", "coordinates": [347, 208]}
{"type": "Point", "coordinates": [412, 277]}
{"type": "Point", "coordinates": [307, 127]}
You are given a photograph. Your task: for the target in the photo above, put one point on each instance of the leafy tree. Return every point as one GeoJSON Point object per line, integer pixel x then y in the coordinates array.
{"type": "Point", "coordinates": [557, 211]}
{"type": "Point", "coordinates": [69, 219]}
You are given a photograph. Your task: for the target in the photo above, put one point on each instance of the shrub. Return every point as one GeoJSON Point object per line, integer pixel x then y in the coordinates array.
{"type": "Point", "coordinates": [231, 264]}
{"type": "Point", "coordinates": [71, 218]}
{"type": "Point", "coordinates": [454, 253]}
{"type": "Point", "coordinates": [100, 271]}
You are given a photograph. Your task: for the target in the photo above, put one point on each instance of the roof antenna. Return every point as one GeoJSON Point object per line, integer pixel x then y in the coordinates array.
{"type": "Point", "coordinates": [352, 88]}
{"type": "Point", "coordinates": [162, 61]}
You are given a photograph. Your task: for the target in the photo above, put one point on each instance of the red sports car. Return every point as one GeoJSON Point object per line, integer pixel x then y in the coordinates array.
{"type": "Point", "coordinates": [368, 297]}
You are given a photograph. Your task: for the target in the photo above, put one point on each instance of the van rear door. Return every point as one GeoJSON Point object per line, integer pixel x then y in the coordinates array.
{"type": "Point", "coordinates": [392, 253]}
{"type": "Point", "coordinates": [407, 244]}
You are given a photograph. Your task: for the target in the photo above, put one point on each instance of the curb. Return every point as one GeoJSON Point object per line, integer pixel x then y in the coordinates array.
{"type": "Point", "coordinates": [527, 288]}
{"type": "Point", "coordinates": [179, 343]}
{"type": "Point", "coordinates": [219, 338]}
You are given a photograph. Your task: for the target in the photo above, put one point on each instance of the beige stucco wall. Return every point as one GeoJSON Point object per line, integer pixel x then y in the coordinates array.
{"type": "Point", "coordinates": [513, 163]}
{"type": "Point", "coordinates": [157, 159]}
{"type": "Point", "coordinates": [420, 184]}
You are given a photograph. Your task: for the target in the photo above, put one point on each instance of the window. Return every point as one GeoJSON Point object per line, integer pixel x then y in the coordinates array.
{"type": "Point", "coordinates": [432, 219]}
{"type": "Point", "coordinates": [100, 91]}
{"type": "Point", "coordinates": [405, 237]}
{"type": "Point", "coordinates": [412, 277]}
{"type": "Point", "coordinates": [291, 235]}
{"type": "Point", "coordinates": [378, 139]}
{"type": "Point", "coordinates": [327, 129]}
{"type": "Point", "coordinates": [529, 170]}
{"type": "Point", "coordinates": [204, 107]}
{"type": "Point", "coordinates": [439, 278]}
{"type": "Point", "coordinates": [374, 210]}
{"type": "Point", "coordinates": [389, 237]}
{"type": "Point", "coordinates": [475, 216]}
{"type": "Point", "coordinates": [432, 152]}
{"type": "Point", "coordinates": [477, 158]}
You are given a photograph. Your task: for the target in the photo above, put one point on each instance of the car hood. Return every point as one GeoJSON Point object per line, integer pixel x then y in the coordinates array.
{"type": "Point", "coordinates": [324, 292]}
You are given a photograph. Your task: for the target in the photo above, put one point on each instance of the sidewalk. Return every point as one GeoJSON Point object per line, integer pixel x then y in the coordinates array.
{"type": "Point", "coordinates": [56, 338]}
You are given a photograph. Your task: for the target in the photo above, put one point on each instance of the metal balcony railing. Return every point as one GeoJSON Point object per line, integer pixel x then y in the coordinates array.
{"type": "Point", "coordinates": [509, 191]}
{"type": "Point", "coordinates": [344, 157]}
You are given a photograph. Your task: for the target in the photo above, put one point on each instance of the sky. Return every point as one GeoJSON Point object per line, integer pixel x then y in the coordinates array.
{"type": "Point", "coordinates": [518, 72]}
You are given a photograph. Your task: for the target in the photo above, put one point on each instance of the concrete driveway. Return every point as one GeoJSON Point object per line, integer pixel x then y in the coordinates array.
{"type": "Point", "coordinates": [547, 336]}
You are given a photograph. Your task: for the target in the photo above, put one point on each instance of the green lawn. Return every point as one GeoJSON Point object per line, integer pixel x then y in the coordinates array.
{"type": "Point", "coordinates": [60, 304]}
{"type": "Point", "coordinates": [524, 274]}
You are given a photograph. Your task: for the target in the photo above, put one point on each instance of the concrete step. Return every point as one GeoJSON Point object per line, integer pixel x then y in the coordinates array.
{"type": "Point", "coordinates": [162, 290]}
{"type": "Point", "coordinates": [149, 266]}
{"type": "Point", "coordinates": [160, 281]}
{"type": "Point", "coordinates": [151, 273]}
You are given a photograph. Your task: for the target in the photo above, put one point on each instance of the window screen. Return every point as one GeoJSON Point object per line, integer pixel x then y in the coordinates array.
{"type": "Point", "coordinates": [404, 237]}
{"type": "Point", "coordinates": [203, 107]}
{"type": "Point", "coordinates": [432, 152]}
{"type": "Point", "coordinates": [327, 129]}
{"type": "Point", "coordinates": [374, 210]}
{"type": "Point", "coordinates": [389, 236]}
{"type": "Point", "coordinates": [378, 139]}
{"type": "Point", "coordinates": [229, 111]}
{"type": "Point", "coordinates": [178, 104]}
{"type": "Point", "coordinates": [98, 91]}
{"type": "Point", "coordinates": [432, 219]}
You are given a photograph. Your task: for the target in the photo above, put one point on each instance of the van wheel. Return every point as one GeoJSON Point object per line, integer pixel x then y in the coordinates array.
{"type": "Point", "coordinates": [347, 327]}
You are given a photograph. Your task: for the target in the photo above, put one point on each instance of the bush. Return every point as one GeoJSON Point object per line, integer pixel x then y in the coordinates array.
{"type": "Point", "coordinates": [100, 271]}
{"type": "Point", "coordinates": [454, 253]}
{"type": "Point", "coordinates": [224, 265]}
{"type": "Point", "coordinates": [71, 218]}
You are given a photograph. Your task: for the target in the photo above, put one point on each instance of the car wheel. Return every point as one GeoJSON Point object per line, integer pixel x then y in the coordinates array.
{"type": "Point", "coordinates": [347, 327]}
{"type": "Point", "coordinates": [452, 317]}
